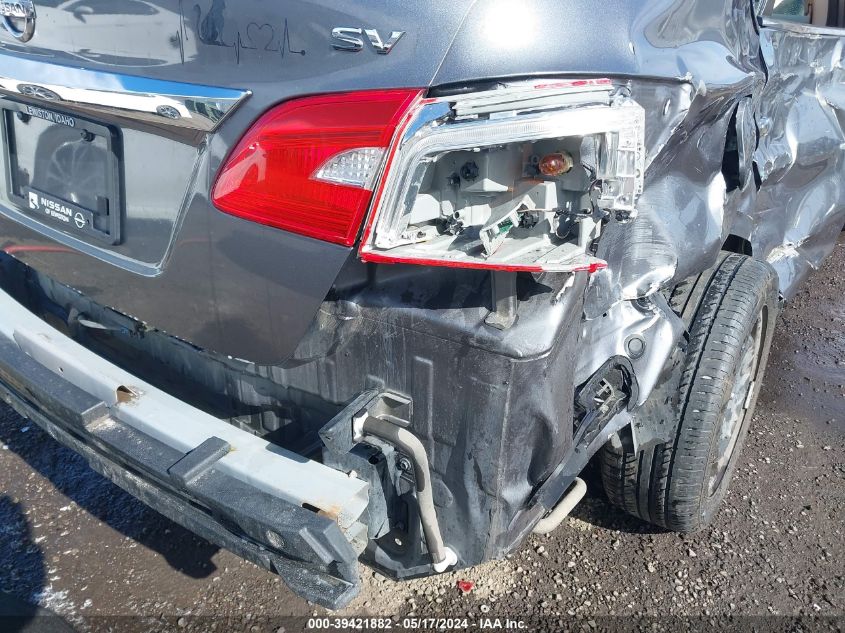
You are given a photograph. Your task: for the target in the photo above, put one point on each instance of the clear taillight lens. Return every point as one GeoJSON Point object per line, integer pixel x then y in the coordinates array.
{"type": "Point", "coordinates": [521, 178]}
{"type": "Point", "coordinates": [355, 168]}
{"type": "Point", "coordinates": [309, 165]}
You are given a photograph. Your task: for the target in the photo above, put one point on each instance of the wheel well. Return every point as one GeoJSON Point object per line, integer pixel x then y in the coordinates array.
{"type": "Point", "coordinates": [730, 159]}
{"type": "Point", "coordinates": [737, 244]}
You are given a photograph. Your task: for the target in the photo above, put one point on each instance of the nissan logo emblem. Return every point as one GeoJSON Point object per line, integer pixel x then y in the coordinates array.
{"type": "Point", "coordinates": [19, 18]}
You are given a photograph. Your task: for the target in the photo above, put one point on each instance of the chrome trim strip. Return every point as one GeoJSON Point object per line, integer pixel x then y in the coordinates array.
{"type": "Point", "coordinates": [153, 101]}
{"type": "Point", "coordinates": [801, 27]}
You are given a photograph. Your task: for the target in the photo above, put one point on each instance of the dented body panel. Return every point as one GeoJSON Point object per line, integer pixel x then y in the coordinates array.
{"type": "Point", "coordinates": [496, 374]}
{"type": "Point", "coordinates": [799, 209]}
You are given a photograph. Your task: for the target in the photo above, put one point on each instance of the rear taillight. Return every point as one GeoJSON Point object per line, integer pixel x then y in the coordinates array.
{"type": "Point", "coordinates": [524, 177]}
{"type": "Point", "coordinates": [309, 165]}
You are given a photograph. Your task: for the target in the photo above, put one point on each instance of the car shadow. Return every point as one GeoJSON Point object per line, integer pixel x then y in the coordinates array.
{"type": "Point", "coordinates": [23, 578]}
{"type": "Point", "coordinates": [70, 474]}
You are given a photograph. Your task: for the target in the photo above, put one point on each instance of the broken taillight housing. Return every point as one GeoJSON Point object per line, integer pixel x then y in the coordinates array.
{"type": "Point", "coordinates": [309, 165]}
{"type": "Point", "coordinates": [519, 178]}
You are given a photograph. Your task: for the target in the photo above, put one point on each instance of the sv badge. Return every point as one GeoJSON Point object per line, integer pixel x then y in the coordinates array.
{"type": "Point", "coordinates": [349, 39]}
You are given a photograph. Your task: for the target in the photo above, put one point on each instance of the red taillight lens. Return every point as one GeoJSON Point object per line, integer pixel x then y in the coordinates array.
{"type": "Point", "coordinates": [297, 168]}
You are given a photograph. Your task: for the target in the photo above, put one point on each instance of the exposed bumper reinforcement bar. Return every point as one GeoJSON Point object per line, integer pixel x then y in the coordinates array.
{"type": "Point", "coordinates": [224, 484]}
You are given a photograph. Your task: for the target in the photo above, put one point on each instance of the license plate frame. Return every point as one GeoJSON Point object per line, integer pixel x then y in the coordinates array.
{"type": "Point", "coordinates": [104, 223]}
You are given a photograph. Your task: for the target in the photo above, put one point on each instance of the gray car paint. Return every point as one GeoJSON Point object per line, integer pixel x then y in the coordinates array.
{"type": "Point", "coordinates": [222, 283]}
{"type": "Point", "coordinates": [250, 291]}
{"type": "Point", "coordinates": [798, 213]}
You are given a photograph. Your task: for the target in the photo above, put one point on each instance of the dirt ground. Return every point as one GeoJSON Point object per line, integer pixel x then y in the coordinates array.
{"type": "Point", "coordinates": [73, 543]}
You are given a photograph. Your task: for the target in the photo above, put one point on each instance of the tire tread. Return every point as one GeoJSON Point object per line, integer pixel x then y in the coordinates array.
{"type": "Point", "coordinates": [663, 484]}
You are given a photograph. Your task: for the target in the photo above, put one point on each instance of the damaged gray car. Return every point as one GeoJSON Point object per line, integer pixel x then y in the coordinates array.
{"type": "Point", "coordinates": [345, 282]}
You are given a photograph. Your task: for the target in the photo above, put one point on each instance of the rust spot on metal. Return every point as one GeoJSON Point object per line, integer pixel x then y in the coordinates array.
{"type": "Point", "coordinates": [331, 512]}
{"type": "Point", "coordinates": [125, 394]}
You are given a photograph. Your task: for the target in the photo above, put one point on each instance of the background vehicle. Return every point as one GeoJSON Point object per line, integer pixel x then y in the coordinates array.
{"type": "Point", "coordinates": [324, 294]}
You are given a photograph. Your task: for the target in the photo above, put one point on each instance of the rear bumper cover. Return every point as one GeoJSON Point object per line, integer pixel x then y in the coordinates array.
{"type": "Point", "coordinates": [479, 400]}
{"type": "Point", "coordinates": [226, 485]}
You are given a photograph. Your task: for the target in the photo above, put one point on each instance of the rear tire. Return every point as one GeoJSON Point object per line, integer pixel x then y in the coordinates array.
{"type": "Point", "coordinates": [680, 484]}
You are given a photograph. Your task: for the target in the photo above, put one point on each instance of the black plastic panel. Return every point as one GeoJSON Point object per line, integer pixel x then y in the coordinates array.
{"type": "Point", "coordinates": [64, 170]}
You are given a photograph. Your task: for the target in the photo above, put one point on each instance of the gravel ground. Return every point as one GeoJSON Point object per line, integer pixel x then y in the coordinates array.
{"type": "Point", "coordinates": [75, 544]}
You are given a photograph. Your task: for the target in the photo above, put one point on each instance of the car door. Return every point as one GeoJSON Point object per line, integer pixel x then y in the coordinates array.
{"type": "Point", "coordinates": [800, 159]}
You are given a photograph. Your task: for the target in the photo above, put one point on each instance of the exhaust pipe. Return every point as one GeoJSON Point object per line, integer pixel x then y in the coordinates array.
{"type": "Point", "coordinates": [562, 509]}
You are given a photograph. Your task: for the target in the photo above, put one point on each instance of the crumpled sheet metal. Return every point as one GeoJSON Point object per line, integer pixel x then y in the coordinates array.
{"type": "Point", "coordinates": [800, 209]}
{"type": "Point", "coordinates": [791, 213]}
{"type": "Point", "coordinates": [607, 336]}
{"type": "Point", "coordinates": [685, 212]}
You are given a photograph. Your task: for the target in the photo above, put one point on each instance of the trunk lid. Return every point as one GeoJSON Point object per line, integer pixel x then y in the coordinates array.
{"type": "Point", "coordinates": [117, 116]}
